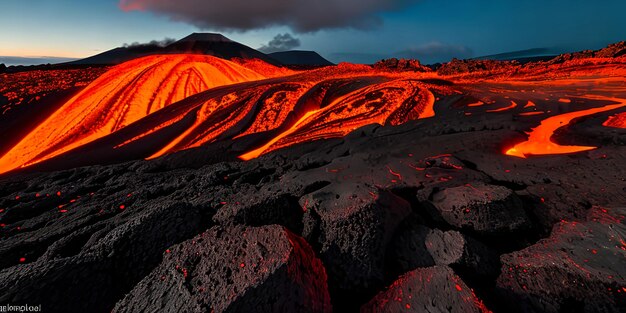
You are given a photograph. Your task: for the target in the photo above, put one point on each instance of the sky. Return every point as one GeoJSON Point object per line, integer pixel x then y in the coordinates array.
{"type": "Point", "coordinates": [340, 30]}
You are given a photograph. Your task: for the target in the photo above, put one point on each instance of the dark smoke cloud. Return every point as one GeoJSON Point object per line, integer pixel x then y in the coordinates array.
{"type": "Point", "coordinates": [153, 43]}
{"type": "Point", "coordinates": [281, 42]}
{"type": "Point", "coordinates": [299, 15]}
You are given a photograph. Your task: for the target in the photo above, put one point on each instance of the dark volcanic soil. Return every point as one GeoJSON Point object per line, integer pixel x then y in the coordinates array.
{"type": "Point", "coordinates": [428, 216]}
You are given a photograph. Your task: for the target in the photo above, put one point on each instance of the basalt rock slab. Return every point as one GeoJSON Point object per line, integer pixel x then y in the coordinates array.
{"type": "Point", "coordinates": [352, 225]}
{"type": "Point", "coordinates": [454, 248]}
{"type": "Point", "coordinates": [581, 267]}
{"type": "Point", "coordinates": [234, 269]}
{"type": "Point", "coordinates": [432, 289]}
{"type": "Point", "coordinates": [482, 208]}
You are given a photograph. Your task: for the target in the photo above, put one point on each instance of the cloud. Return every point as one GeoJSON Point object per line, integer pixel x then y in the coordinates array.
{"type": "Point", "coordinates": [436, 52]}
{"type": "Point", "coordinates": [152, 43]}
{"type": "Point", "coordinates": [281, 42]}
{"type": "Point", "coordinates": [299, 15]}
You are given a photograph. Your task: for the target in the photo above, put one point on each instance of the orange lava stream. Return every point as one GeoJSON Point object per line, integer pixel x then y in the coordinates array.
{"type": "Point", "coordinates": [539, 141]}
{"type": "Point", "coordinates": [616, 121]}
{"type": "Point", "coordinates": [121, 96]}
{"type": "Point", "coordinates": [384, 104]}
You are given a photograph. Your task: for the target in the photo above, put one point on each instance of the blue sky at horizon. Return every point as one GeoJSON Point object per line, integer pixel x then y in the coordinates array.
{"type": "Point", "coordinates": [434, 30]}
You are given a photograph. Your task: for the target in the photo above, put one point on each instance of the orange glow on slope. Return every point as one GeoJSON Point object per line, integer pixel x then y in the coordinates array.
{"type": "Point", "coordinates": [539, 141]}
{"type": "Point", "coordinates": [384, 104]}
{"type": "Point", "coordinates": [121, 96]}
{"type": "Point", "coordinates": [616, 121]}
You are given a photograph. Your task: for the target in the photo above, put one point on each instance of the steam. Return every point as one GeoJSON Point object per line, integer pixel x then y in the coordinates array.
{"type": "Point", "coordinates": [281, 42]}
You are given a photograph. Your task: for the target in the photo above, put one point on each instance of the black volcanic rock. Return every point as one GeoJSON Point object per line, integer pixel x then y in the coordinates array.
{"type": "Point", "coordinates": [581, 267]}
{"type": "Point", "coordinates": [239, 269]}
{"type": "Point", "coordinates": [432, 289]}
{"type": "Point", "coordinates": [352, 225]}
{"type": "Point", "coordinates": [298, 57]}
{"type": "Point", "coordinates": [482, 208]}
{"type": "Point", "coordinates": [256, 209]}
{"type": "Point", "coordinates": [3, 68]}
{"type": "Point", "coordinates": [454, 248]}
{"type": "Point", "coordinates": [408, 249]}
{"type": "Point", "coordinates": [97, 264]}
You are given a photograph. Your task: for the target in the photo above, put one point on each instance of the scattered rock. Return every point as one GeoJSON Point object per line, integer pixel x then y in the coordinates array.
{"type": "Point", "coordinates": [581, 267]}
{"type": "Point", "coordinates": [433, 289]}
{"type": "Point", "coordinates": [236, 269]}
{"type": "Point", "coordinates": [408, 250]}
{"type": "Point", "coordinates": [355, 223]}
{"type": "Point", "coordinates": [454, 248]}
{"type": "Point", "coordinates": [99, 265]}
{"type": "Point", "coordinates": [485, 209]}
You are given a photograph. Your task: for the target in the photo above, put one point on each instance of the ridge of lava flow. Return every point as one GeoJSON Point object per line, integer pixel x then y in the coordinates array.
{"type": "Point", "coordinates": [124, 94]}
{"type": "Point", "coordinates": [281, 113]}
{"type": "Point", "coordinates": [158, 105]}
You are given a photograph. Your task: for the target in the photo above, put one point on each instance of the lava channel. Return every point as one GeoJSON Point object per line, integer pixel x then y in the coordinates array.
{"type": "Point", "coordinates": [539, 141]}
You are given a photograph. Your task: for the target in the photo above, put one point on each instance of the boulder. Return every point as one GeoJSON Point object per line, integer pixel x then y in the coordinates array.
{"type": "Point", "coordinates": [234, 269]}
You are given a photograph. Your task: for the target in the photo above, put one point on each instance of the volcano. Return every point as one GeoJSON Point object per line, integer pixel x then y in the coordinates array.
{"type": "Point", "coordinates": [183, 181]}
{"type": "Point", "coordinates": [197, 43]}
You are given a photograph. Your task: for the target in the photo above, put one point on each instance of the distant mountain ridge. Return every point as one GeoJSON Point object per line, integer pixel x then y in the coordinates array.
{"type": "Point", "coordinates": [300, 57]}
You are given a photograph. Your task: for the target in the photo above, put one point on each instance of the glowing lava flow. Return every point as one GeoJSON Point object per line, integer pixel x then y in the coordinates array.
{"type": "Point", "coordinates": [616, 121]}
{"type": "Point", "coordinates": [390, 103]}
{"type": "Point", "coordinates": [539, 141]}
{"type": "Point", "coordinates": [121, 96]}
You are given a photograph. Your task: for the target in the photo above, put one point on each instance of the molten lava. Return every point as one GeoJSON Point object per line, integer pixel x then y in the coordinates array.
{"type": "Point", "coordinates": [391, 103]}
{"type": "Point", "coordinates": [121, 96]}
{"type": "Point", "coordinates": [539, 141]}
{"type": "Point", "coordinates": [616, 121]}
